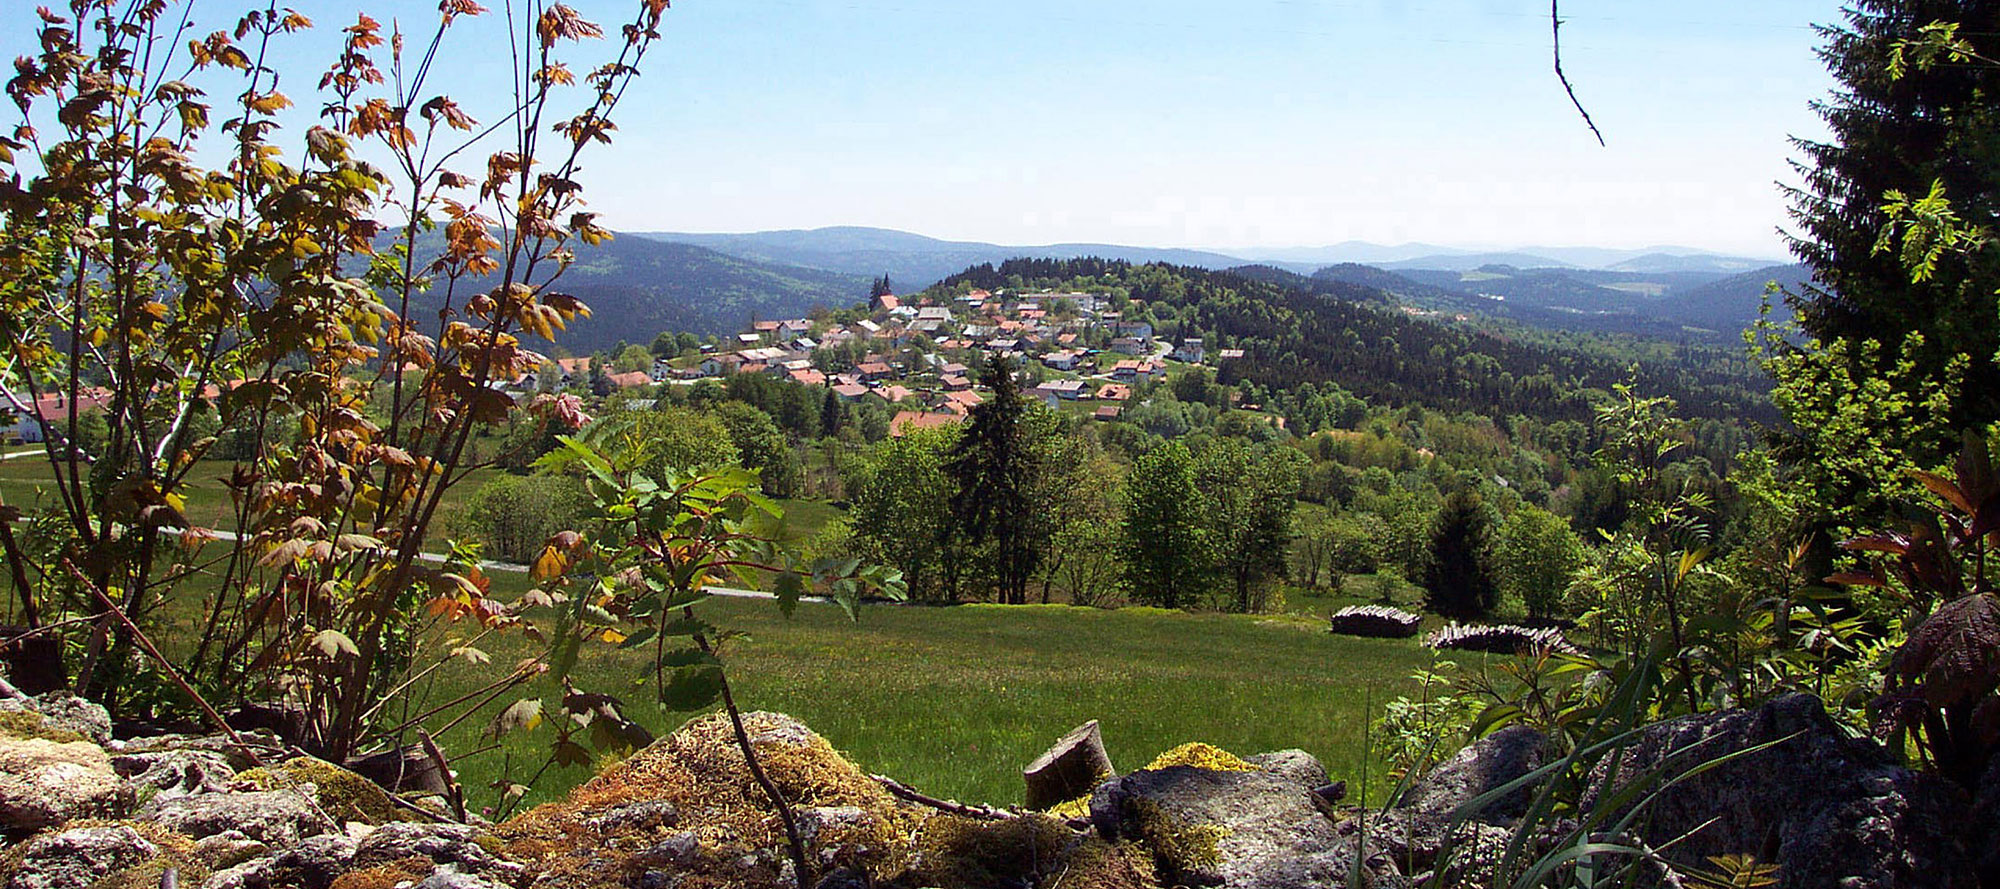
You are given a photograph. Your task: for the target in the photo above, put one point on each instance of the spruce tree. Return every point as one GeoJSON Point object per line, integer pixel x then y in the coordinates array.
{"type": "Point", "coordinates": [994, 473]}
{"type": "Point", "coordinates": [1906, 132]}
{"type": "Point", "coordinates": [1459, 576]}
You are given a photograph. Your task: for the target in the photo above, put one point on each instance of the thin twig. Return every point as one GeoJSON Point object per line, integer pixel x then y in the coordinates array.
{"type": "Point", "coordinates": [952, 807]}
{"type": "Point", "coordinates": [167, 667]}
{"type": "Point", "coordinates": [1556, 29]}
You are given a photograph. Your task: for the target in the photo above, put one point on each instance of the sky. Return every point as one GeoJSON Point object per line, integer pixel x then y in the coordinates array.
{"type": "Point", "coordinates": [1234, 125]}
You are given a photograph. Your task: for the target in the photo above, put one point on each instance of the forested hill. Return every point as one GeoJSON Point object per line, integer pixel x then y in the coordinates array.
{"type": "Point", "coordinates": [1393, 357]}
{"type": "Point", "coordinates": [637, 287]}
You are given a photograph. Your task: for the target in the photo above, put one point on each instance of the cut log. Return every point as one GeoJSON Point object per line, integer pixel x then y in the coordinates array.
{"type": "Point", "coordinates": [1070, 769]}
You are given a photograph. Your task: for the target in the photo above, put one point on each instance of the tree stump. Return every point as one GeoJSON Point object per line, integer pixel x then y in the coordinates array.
{"type": "Point", "coordinates": [1070, 769]}
{"type": "Point", "coordinates": [402, 770]}
{"type": "Point", "coordinates": [34, 664]}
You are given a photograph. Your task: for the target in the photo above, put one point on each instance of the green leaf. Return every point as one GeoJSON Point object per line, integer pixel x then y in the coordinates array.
{"type": "Point", "coordinates": [643, 636]}
{"type": "Point", "coordinates": [334, 643]}
{"type": "Point", "coordinates": [790, 587]}
{"type": "Point", "coordinates": [523, 714]}
{"type": "Point", "coordinates": [693, 687]}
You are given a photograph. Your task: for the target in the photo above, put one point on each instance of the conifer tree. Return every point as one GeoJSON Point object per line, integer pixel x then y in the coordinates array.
{"type": "Point", "coordinates": [1908, 130]}
{"type": "Point", "coordinates": [1459, 577]}
{"type": "Point", "coordinates": [993, 469]}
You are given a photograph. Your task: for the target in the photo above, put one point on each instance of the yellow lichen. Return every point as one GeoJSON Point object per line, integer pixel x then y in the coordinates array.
{"type": "Point", "coordinates": [1201, 756]}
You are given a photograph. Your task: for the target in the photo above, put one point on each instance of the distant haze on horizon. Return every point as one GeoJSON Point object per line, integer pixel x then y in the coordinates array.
{"type": "Point", "coordinates": [1250, 126]}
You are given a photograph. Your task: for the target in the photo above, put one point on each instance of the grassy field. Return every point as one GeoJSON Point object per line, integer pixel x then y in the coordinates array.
{"type": "Point", "coordinates": [956, 700]}
{"type": "Point", "coordinates": [28, 481]}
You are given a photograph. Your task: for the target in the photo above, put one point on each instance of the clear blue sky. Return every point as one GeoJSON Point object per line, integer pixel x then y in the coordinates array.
{"type": "Point", "coordinates": [1245, 123]}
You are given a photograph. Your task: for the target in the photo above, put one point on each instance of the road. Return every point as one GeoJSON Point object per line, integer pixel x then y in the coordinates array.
{"type": "Point", "coordinates": [510, 567]}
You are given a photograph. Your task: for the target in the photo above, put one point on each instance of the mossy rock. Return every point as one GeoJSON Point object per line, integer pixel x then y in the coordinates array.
{"type": "Point", "coordinates": [701, 773]}
{"type": "Point", "coordinates": [174, 852]}
{"type": "Point", "coordinates": [28, 725]}
{"type": "Point", "coordinates": [342, 794]}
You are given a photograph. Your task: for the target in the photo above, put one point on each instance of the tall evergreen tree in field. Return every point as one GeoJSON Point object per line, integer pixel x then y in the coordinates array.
{"type": "Point", "coordinates": [1166, 543]}
{"type": "Point", "coordinates": [993, 467]}
{"type": "Point", "coordinates": [831, 415]}
{"type": "Point", "coordinates": [1459, 577]}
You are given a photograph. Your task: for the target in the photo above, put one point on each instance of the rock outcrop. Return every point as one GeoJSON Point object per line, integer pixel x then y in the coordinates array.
{"type": "Point", "coordinates": [1232, 829]}
{"type": "Point", "coordinates": [1827, 809]}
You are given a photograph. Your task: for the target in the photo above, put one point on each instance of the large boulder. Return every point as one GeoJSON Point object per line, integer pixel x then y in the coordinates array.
{"type": "Point", "coordinates": [1485, 765]}
{"type": "Point", "coordinates": [1233, 829]}
{"type": "Point", "coordinates": [76, 858]}
{"type": "Point", "coordinates": [277, 818]}
{"type": "Point", "coordinates": [44, 783]}
{"type": "Point", "coordinates": [687, 807]}
{"type": "Point", "coordinates": [1828, 809]}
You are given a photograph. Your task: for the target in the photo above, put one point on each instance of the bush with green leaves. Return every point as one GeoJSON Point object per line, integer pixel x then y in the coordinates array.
{"type": "Point", "coordinates": [1536, 557]}
{"type": "Point", "coordinates": [512, 515]}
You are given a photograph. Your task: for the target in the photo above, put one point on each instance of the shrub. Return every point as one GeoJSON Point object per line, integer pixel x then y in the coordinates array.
{"type": "Point", "coordinates": [514, 515]}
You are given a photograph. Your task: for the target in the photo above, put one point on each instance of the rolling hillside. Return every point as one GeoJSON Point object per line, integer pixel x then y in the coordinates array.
{"type": "Point", "coordinates": [637, 287]}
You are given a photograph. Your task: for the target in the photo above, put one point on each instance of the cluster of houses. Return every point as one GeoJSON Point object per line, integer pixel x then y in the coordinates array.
{"type": "Point", "coordinates": [1100, 355]}
{"type": "Point", "coordinates": [1095, 354]}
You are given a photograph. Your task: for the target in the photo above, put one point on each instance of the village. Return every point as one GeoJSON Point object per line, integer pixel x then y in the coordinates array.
{"type": "Point", "coordinates": [921, 358]}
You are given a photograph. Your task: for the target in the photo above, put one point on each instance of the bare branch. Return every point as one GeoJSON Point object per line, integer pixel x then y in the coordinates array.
{"type": "Point", "coordinates": [1555, 30]}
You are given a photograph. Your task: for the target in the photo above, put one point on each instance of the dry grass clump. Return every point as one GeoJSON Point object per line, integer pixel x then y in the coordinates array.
{"type": "Point", "coordinates": [699, 770]}
{"type": "Point", "coordinates": [387, 876]}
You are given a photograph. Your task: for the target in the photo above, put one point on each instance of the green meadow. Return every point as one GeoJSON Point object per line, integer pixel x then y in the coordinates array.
{"type": "Point", "coordinates": [955, 700]}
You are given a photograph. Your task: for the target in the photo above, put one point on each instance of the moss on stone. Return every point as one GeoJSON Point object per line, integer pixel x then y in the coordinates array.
{"type": "Point", "coordinates": [702, 773]}
{"type": "Point", "coordinates": [342, 794]}
{"type": "Point", "coordinates": [1178, 847]}
{"type": "Point", "coordinates": [28, 725]}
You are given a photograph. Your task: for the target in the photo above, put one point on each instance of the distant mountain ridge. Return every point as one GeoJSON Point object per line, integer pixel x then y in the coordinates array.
{"type": "Point", "coordinates": [916, 261]}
